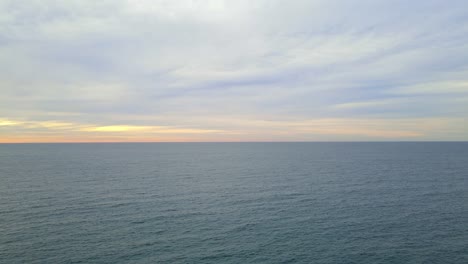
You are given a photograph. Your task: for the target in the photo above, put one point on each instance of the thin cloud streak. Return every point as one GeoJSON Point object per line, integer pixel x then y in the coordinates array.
{"type": "Point", "coordinates": [236, 130]}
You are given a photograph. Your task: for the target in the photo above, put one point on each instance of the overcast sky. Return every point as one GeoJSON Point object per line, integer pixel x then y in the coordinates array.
{"type": "Point", "coordinates": [141, 70]}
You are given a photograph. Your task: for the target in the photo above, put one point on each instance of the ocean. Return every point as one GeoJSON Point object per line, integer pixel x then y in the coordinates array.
{"type": "Point", "coordinates": [234, 203]}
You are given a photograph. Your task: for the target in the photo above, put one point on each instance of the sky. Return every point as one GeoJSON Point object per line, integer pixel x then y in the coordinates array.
{"type": "Point", "coordinates": [149, 70]}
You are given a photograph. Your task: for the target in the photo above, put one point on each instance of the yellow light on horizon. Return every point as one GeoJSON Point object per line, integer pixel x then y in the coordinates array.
{"type": "Point", "coordinates": [6, 122]}
{"type": "Point", "coordinates": [116, 128]}
{"type": "Point", "coordinates": [152, 129]}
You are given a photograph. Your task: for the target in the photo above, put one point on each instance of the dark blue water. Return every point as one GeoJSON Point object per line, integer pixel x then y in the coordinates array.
{"type": "Point", "coordinates": [234, 203]}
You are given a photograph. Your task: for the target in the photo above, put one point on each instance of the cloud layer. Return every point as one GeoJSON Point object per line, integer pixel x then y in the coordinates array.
{"type": "Point", "coordinates": [141, 70]}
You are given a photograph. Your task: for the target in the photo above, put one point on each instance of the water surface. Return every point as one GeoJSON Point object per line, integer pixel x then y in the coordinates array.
{"type": "Point", "coordinates": [234, 203]}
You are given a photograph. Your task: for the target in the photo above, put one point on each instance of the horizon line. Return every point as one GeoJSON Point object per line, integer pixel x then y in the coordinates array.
{"type": "Point", "coordinates": [325, 141]}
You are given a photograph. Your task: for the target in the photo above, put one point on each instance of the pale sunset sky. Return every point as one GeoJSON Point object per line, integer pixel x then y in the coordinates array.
{"type": "Point", "coordinates": [147, 70]}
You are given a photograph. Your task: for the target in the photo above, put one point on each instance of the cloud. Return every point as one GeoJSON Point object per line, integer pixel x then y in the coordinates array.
{"type": "Point", "coordinates": [35, 131]}
{"type": "Point", "coordinates": [138, 66]}
{"type": "Point", "coordinates": [237, 128]}
{"type": "Point", "coordinates": [152, 129]}
{"type": "Point", "coordinates": [444, 87]}
{"type": "Point", "coordinates": [5, 122]}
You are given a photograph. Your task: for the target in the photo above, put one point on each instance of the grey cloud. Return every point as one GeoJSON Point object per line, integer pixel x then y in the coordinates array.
{"type": "Point", "coordinates": [264, 59]}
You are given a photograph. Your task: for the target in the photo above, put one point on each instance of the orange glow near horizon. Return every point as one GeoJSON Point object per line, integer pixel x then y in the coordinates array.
{"type": "Point", "coordinates": [235, 130]}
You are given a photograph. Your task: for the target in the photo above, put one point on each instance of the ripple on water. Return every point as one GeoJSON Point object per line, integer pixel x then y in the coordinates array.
{"type": "Point", "coordinates": [234, 203]}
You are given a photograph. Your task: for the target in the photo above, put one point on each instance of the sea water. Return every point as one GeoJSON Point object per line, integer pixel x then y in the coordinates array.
{"type": "Point", "coordinates": [234, 203]}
